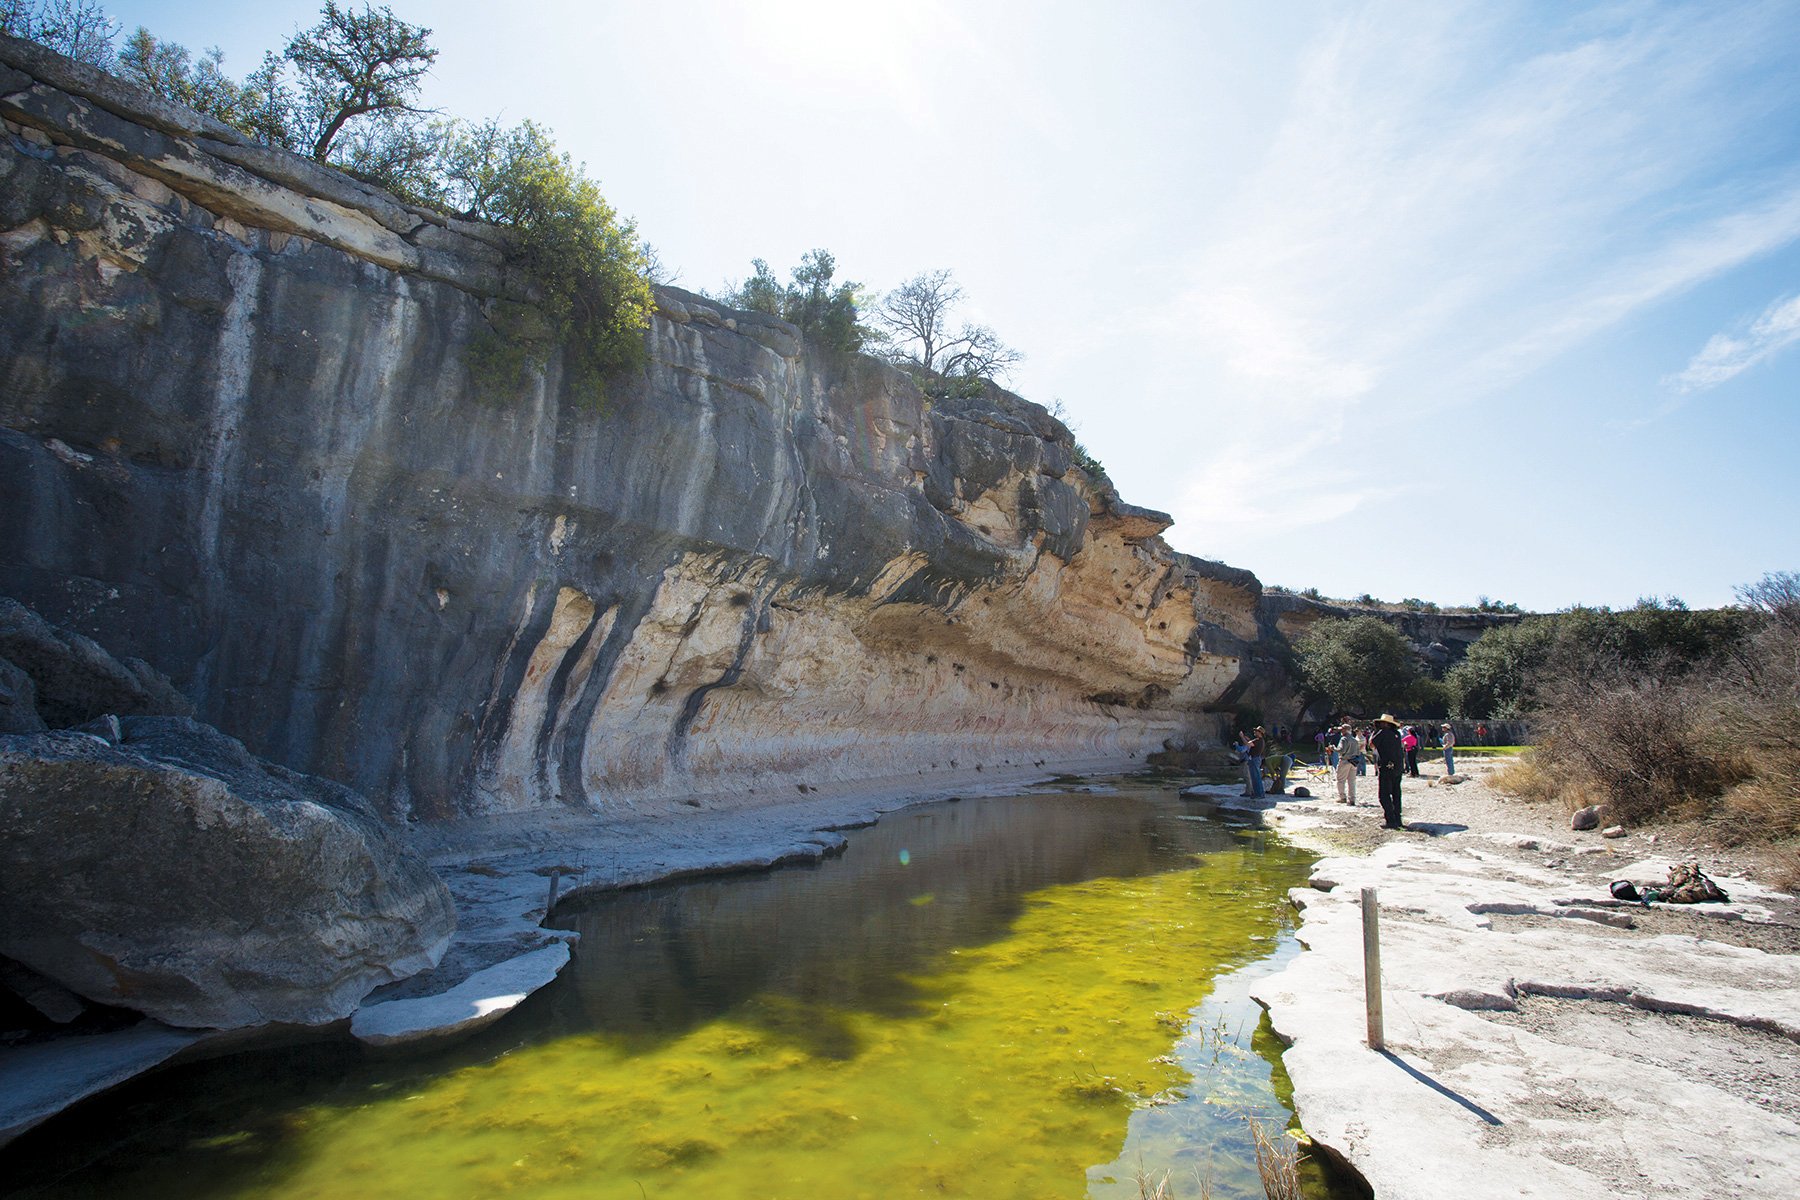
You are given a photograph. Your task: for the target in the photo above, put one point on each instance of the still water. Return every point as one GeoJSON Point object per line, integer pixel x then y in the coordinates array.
{"type": "Point", "coordinates": [1040, 996]}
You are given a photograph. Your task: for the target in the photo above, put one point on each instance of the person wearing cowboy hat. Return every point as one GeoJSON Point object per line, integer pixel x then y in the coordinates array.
{"type": "Point", "coordinates": [1390, 763]}
{"type": "Point", "coordinates": [1449, 749]}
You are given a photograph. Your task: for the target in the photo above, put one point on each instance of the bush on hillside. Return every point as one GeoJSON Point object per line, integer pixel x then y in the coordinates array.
{"type": "Point", "coordinates": [1674, 718]}
{"type": "Point", "coordinates": [1636, 737]}
{"type": "Point", "coordinates": [588, 265]}
{"type": "Point", "coordinates": [1500, 674]}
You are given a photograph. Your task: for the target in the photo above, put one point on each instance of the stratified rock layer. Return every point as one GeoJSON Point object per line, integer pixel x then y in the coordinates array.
{"type": "Point", "coordinates": [238, 439]}
{"type": "Point", "coordinates": [177, 875]}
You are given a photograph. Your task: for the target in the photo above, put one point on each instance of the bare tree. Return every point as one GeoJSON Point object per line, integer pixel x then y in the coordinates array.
{"type": "Point", "coordinates": [78, 29]}
{"type": "Point", "coordinates": [916, 319]}
{"type": "Point", "coordinates": [354, 63]}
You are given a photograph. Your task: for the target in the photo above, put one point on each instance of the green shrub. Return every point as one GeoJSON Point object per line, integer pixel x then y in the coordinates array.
{"type": "Point", "coordinates": [1502, 670]}
{"type": "Point", "coordinates": [1359, 665]}
{"type": "Point", "coordinates": [827, 313]}
{"type": "Point", "coordinates": [1087, 462]}
{"type": "Point", "coordinates": [588, 265]}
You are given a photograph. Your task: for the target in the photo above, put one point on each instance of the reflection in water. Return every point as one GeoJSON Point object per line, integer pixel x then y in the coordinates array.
{"type": "Point", "coordinates": [974, 1000]}
{"type": "Point", "coordinates": [847, 933]}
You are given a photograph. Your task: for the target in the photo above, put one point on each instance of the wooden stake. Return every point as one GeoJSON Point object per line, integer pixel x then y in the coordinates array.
{"type": "Point", "coordinates": [1371, 910]}
{"type": "Point", "coordinates": [550, 902]}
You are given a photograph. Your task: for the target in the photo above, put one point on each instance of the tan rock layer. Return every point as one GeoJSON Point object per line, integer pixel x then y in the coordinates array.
{"type": "Point", "coordinates": [755, 569]}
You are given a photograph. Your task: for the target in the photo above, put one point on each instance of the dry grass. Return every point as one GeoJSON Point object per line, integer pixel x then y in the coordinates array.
{"type": "Point", "coordinates": [1277, 1165]}
{"type": "Point", "coordinates": [1529, 779]}
{"type": "Point", "coordinates": [1152, 1186]}
{"type": "Point", "coordinates": [1784, 869]}
{"type": "Point", "coordinates": [1277, 1162]}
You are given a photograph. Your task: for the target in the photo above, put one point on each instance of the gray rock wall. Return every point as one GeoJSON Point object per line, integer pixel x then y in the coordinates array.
{"type": "Point", "coordinates": [238, 440]}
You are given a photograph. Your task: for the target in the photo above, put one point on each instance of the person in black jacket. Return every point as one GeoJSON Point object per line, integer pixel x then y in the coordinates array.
{"type": "Point", "coordinates": [1390, 762]}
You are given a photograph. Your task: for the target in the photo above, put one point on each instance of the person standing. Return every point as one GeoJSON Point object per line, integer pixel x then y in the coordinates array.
{"type": "Point", "coordinates": [1390, 763]}
{"type": "Point", "coordinates": [1409, 742]}
{"type": "Point", "coordinates": [1241, 744]}
{"type": "Point", "coordinates": [1255, 754]}
{"type": "Point", "coordinates": [1349, 749]}
{"type": "Point", "coordinates": [1449, 749]}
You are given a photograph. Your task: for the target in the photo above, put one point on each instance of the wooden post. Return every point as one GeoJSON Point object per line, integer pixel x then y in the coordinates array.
{"type": "Point", "coordinates": [550, 903]}
{"type": "Point", "coordinates": [1371, 912]}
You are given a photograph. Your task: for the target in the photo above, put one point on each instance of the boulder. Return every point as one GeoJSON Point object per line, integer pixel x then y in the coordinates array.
{"type": "Point", "coordinates": [178, 875]}
{"type": "Point", "coordinates": [18, 701]}
{"type": "Point", "coordinates": [74, 678]}
{"type": "Point", "coordinates": [1586, 818]}
{"type": "Point", "coordinates": [1613, 831]}
{"type": "Point", "coordinates": [51, 999]}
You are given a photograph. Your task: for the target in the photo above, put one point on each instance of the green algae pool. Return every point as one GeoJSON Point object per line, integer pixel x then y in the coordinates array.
{"type": "Point", "coordinates": [1040, 996]}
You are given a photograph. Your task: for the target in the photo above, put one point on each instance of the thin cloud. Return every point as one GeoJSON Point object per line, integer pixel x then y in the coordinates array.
{"type": "Point", "coordinates": [1727, 355]}
{"type": "Point", "coordinates": [1417, 239]}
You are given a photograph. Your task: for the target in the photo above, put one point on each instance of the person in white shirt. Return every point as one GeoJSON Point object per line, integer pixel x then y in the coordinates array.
{"type": "Point", "coordinates": [1348, 747]}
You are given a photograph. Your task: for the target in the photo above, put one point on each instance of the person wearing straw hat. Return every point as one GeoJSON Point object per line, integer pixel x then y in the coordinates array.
{"type": "Point", "coordinates": [1449, 749]}
{"type": "Point", "coordinates": [1390, 763]}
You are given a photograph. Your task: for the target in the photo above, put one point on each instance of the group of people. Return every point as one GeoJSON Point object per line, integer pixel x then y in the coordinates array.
{"type": "Point", "coordinates": [1396, 750]}
{"type": "Point", "coordinates": [1347, 748]}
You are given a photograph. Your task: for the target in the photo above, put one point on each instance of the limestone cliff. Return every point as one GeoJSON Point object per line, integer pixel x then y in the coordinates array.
{"type": "Point", "coordinates": [238, 440]}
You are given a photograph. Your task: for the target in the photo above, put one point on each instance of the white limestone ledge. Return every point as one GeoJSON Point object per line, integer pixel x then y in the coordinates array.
{"type": "Point", "coordinates": [479, 1000]}
{"type": "Point", "coordinates": [39, 1081]}
{"type": "Point", "coordinates": [1479, 1093]}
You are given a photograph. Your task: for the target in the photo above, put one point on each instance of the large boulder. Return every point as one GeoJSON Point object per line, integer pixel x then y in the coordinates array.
{"type": "Point", "coordinates": [18, 701]}
{"type": "Point", "coordinates": [176, 874]}
{"type": "Point", "coordinates": [74, 678]}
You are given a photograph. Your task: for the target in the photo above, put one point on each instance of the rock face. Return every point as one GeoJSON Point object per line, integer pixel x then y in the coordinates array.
{"type": "Point", "coordinates": [177, 875]}
{"type": "Point", "coordinates": [69, 679]}
{"type": "Point", "coordinates": [238, 440]}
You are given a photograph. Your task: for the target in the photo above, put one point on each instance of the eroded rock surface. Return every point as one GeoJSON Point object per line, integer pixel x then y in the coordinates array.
{"type": "Point", "coordinates": [1538, 1041]}
{"type": "Point", "coordinates": [239, 440]}
{"type": "Point", "coordinates": [177, 875]}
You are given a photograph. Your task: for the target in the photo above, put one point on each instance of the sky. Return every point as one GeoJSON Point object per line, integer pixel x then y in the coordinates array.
{"type": "Point", "coordinates": [1414, 299]}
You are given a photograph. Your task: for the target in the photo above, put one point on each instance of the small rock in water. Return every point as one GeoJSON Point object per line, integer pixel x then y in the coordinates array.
{"type": "Point", "coordinates": [1586, 818]}
{"type": "Point", "coordinates": [1613, 831]}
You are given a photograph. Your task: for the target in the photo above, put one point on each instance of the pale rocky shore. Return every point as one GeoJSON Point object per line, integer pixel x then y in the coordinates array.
{"type": "Point", "coordinates": [1542, 1039]}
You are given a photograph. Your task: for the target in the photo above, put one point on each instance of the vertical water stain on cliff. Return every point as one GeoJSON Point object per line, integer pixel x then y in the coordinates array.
{"type": "Point", "coordinates": [469, 603]}
{"type": "Point", "coordinates": [231, 396]}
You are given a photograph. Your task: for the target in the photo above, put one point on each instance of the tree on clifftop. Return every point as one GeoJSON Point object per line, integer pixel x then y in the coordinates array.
{"type": "Point", "coordinates": [916, 318]}
{"type": "Point", "coordinates": [354, 64]}
{"type": "Point", "coordinates": [77, 29]}
{"type": "Point", "coordinates": [825, 310]}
